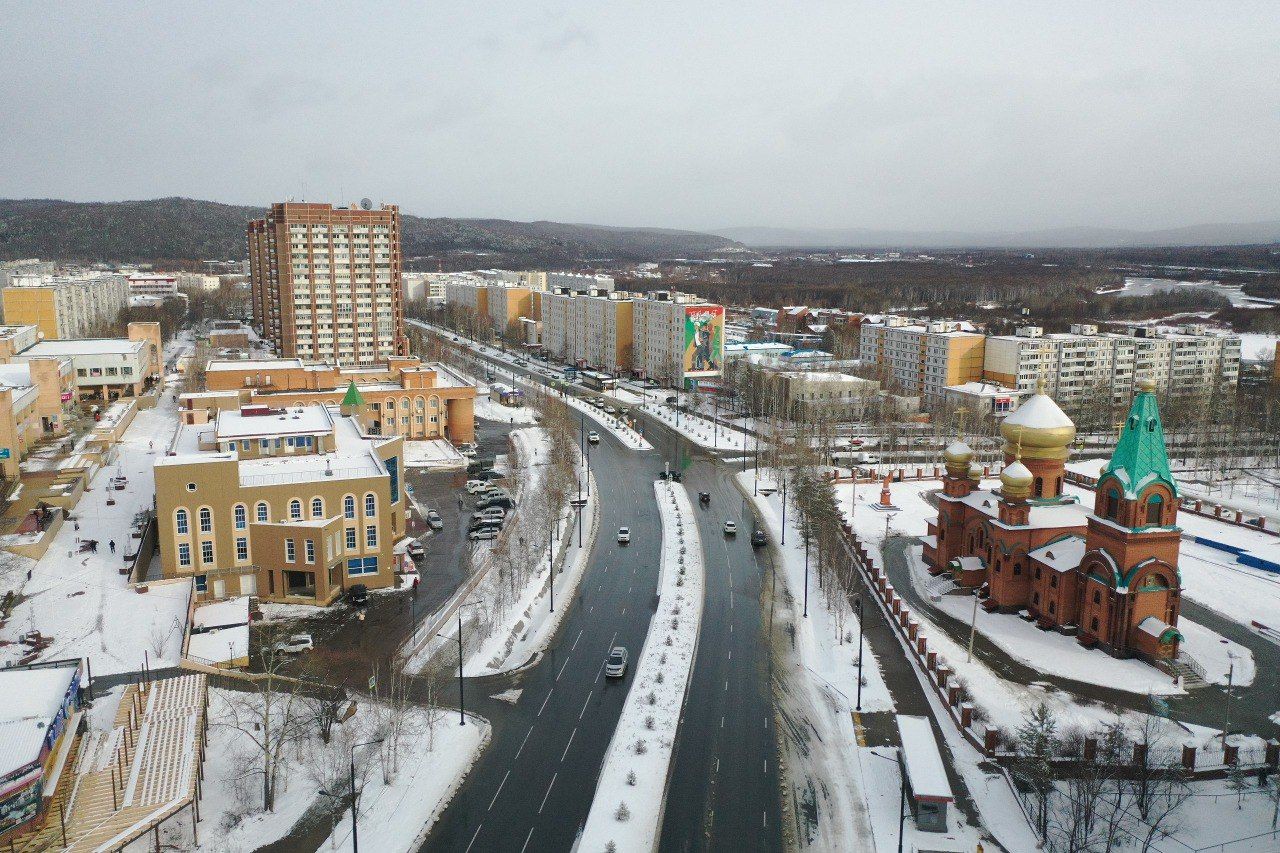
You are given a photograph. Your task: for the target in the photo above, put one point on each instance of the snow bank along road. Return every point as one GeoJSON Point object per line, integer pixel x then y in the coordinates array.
{"type": "Point", "coordinates": [627, 809]}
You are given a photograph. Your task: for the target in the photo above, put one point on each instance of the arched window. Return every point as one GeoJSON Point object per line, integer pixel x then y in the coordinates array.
{"type": "Point", "coordinates": [182, 521]}
{"type": "Point", "coordinates": [295, 509]}
{"type": "Point", "coordinates": [241, 516]}
{"type": "Point", "coordinates": [1112, 506]}
{"type": "Point", "coordinates": [349, 506]}
{"type": "Point", "coordinates": [1155, 508]}
{"type": "Point", "coordinates": [1039, 487]}
{"type": "Point", "coordinates": [206, 520]}
{"type": "Point", "coordinates": [370, 505]}
{"type": "Point", "coordinates": [263, 511]}
{"type": "Point", "coordinates": [317, 507]}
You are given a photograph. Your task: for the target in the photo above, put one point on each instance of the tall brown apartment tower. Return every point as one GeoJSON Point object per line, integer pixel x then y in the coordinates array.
{"type": "Point", "coordinates": [326, 282]}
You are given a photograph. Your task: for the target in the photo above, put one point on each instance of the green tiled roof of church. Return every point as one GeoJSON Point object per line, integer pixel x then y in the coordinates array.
{"type": "Point", "coordinates": [352, 397]}
{"type": "Point", "coordinates": [1140, 456]}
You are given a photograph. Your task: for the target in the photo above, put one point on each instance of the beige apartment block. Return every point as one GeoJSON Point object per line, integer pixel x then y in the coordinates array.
{"type": "Point", "coordinates": [325, 282]}
{"type": "Point", "coordinates": [292, 504]}
{"type": "Point", "coordinates": [922, 359]}
{"type": "Point", "coordinates": [64, 307]}
{"type": "Point", "coordinates": [107, 368]}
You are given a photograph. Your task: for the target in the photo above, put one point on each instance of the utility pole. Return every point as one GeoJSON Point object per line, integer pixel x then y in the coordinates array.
{"type": "Point", "coordinates": [784, 507]}
{"type": "Point", "coordinates": [857, 606]}
{"type": "Point", "coordinates": [355, 835]}
{"type": "Point", "coordinates": [1231, 671]}
{"type": "Point", "coordinates": [973, 625]}
{"type": "Point", "coordinates": [805, 533]}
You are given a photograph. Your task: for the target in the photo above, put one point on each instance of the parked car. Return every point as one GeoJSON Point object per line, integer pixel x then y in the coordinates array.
{"type": "Point", "coordinates": [486, 503]}
{"type": "Point", "coordinates": [297, 644]}
{"type": "Point", "coordinates": [483, 533]}
{"type": "Point", "coordinates": [434, 520]}
{"type": "Point", "coordinates": [494, 512]}
{"type": "Point", "coordinates": [593, 437]}
{"type": "Point", "coordinates": [758, 538]}
{"type": "Point", "coordinates": [488, 494]}
{"type": "Point", "coordinates": [476, 486]}
{"type": "Point", "coordinates": [416, 551]}
{"type": "Point", "coordinates": [467, 449]}
{"type": "Point", "coordinates": [671, 401]}
{"type": "Point", "coordinates": [731, 528]}
{"type": "Point", "coordinates": [624, 535]}
{"type": "Point", "coordinates": [610, 410]}
{"type": "Point", "coordinates": [677, 477]}
{"type": "Point", "coordinates": [868, 459]}
{"type": "Point", "coordinates": [358, 594]}
{"type": "Point", "coordinates": [616, 665]}
{"type": "Point", "coordinates": [490, 475]}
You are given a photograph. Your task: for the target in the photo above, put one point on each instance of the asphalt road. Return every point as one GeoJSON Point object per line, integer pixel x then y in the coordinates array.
{"type": "Point", "coordinates": [533, 786]}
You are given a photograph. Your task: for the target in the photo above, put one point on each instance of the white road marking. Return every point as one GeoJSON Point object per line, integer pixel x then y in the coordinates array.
{"type": "Point", "coordinates": [717, 764]}
{"type": "Point", "coordinates": [624, 612]}
{"type": "Point", "coordinates": [544, 796]}
{"type": "Point", "coordinates": [473, 839]}
{"type": "Point", "coordinates": [562, 666]}
{"type": "Point", "coordinates": [526, 840]}
{"type": "Point", "coordinates": [545, 701]}
{"type": "Point", "coordinates": [569, 744]}
{"type": "Point", "coordinates": [766, 767]}
{"type": "Point", "coordinates": [499, 791]}
{"type": "Point", "coordinates": [523, 742]}
{"type": "Point", "coordinates": [576, 639]}
{"type": "Point", "coordinates": [584, 704]}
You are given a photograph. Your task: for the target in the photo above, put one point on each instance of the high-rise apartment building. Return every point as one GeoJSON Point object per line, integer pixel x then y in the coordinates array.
{"type": "Point", "coordinates": [326, 282]}
{"type": "Point", "coordinates": [72, 306]}
{"type": "Point", "coordinates": [677, 337]}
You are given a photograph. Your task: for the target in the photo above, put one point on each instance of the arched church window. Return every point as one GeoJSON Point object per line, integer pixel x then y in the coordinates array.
{"type": "Point", "coordinates": [1155, 507]}
{"type": "Point", "coordinates": [1039, 487]}
{"type": "Point", "coordinates": [1112, 506]}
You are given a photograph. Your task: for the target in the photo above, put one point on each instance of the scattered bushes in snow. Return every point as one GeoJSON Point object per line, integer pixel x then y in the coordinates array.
{"type": "Point", "coordinates": [652, 697]}
{"type": "Point", "coordinates": [667, 641]}
{"type": "Point", "coordinates": [648, 722]}
{"type": "Point", "coordinates": [623, 814]}
{"type": "Point", "coordinates": [640, 747]}
{"type": "Point", "coordinates": [659, 678]}
{"type": "Point", "coordinates": [631, 777]}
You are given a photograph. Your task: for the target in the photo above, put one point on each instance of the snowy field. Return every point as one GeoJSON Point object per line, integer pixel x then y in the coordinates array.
{"type": "Point", "coordinates": [81, 600]}
{"type": "Point", "coordinates": [627, 808]}
{"type": "Point", "coordinates": [438, 455]}
{"type": "Point", "coordinates": [488, 410]}
{"type": "Point", "coordinates": [401, 793]}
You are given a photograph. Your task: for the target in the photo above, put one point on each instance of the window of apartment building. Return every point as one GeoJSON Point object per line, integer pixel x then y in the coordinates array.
{"type": "Point", "coordinates": [182, 522]}
{"type": "Point", "coordinates": [241, 517]}
{"type": "Point", "coordinates": [362, 566]}
{"type": "Point", "coordinates": [309, 550]}
{"type": "Point", "coordinates": [317, 507]}
{"type": "Point", "coordinates": [242, 549]}
{"type": "Point", "coordinates": [263, 511]}
{"type": "Point", "coordinates": [184, 554]}
{"type": "Point", "coordinates": [290, 553]}
{"type": "Point", "coordinates": [349, 506]}
{"type": "Point", "coordinates": [371, 536]}
{"type": "Point", "coordinates": [206, 552]}
{"type": "Point", "coordinates": [295, 509]}
{"type": "Point", "coordinates": [202, 583]}
{"type": "Point", "coordinates": [351, 538]}
{"type": "Point", "coordinates": [370, 505]}
{"type": "Point", "coordinates": [206, 520]}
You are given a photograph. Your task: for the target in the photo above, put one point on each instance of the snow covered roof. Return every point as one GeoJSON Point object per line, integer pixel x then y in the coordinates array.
{"type": "Point", "coordinates": [983, 389]}
{"type": "Point", "coordinates": [925, 773]}
{"type": "Point", "coordinates": [1069, 513]}
{"type": "Point", "coordinates": [1061, 555]}
{"type": "Point", "coordinates": [232, 611]}
{"type": "Point", "coordinates": [261, 364]}
{"type": "Point", "coordinates": [1039, 412]}
{"type": "Point", "coordinates": [302, 420]}
{"type": "Point", "coordinates": [32, 698]}
{"type": "Point", "coordinates": [1160, 629]}
{"type": "Point", "coordinates": [90, 346]}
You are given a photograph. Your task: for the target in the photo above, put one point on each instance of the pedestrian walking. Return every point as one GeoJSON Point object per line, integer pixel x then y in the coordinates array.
{"type": "Point", "coordinates": [112, 543]}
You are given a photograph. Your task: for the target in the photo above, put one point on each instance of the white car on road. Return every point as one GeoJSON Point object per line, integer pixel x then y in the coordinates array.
{"type": "Point", "coordinates": [624, 535]}
{"type": "Point", "coordinates": [297, 644]}
{"type": "Point", "coordinates": [477, 486]}
{"type": "Point", "coordinates": [616, 665]}
{"type": "Point", "coordinates": [593, 437]}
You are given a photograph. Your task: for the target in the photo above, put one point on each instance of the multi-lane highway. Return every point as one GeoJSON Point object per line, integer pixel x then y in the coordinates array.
{"type": "Point", "coordinates": [533, 785]}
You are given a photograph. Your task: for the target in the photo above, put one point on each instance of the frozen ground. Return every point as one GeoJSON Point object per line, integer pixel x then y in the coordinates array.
{"type": "Point", "coordinates": [701, 431]}
{"type": "Point", "coordinates": [491, 411]}
{"type": "Point", "coordinates": [434, 756]}
{"type": "Point", "coordinates": [438, 454]}
{"type": "Point", "coordinates": [80, 599]}
{"type": "Point", "coordinates": [627, 807]}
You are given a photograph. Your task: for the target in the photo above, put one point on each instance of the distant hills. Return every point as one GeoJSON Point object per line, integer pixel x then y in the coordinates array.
{"type": "Point", "coordinates": [1228, 234]}
{"type": "Point", "coordinates": [183, 229]}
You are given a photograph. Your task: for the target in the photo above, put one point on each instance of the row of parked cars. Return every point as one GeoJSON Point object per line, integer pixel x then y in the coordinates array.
{"type": "Point", "coordinates": [493, 503]}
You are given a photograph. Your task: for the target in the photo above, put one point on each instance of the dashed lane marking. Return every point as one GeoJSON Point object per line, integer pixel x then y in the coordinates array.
{"type": "Point", "coordinates": [576, 639]}
{"type": "Point", "coordinates": [569, 744]}
{"type": "Point", "coordinates": [562, 666]}
{"type": "Point", "coordinates": [523, 742]}
{"type": "Point", "coordinates": [526, 839]}
{"type": "Point", "coordinates": [547, 794]}
{"type": "Point", "coordinates": [545, 701]}
{"type": "Point", "coordinates": [499, 791]}
{"type": "Point", "coordinates": [473, 839]}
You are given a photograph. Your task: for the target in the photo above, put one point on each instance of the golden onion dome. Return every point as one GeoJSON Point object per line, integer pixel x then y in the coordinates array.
{"type": "Point", "coordinates": [958, 452]}
{"type": "Point", "coordinates": [1038, 428]}
{"type": "Point", "coordinates": [1015, 480]}
{"type": "Point", "coordinates": [1147, 385]}
{"type": "Point", "coordinates": [975, 472]}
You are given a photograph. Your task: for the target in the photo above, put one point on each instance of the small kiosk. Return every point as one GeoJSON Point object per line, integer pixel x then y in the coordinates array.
{"type": "Point", "coordinates": [928, 790]}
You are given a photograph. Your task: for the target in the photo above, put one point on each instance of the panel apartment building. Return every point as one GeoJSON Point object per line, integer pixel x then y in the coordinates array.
{"type": "Point", "coordinates": [1086, 365]}
{"type": "Point", "coordinates": [326, 283]}
{"type": "Point", "coordinates": [922, 359]}
{"type": "Point", "coordinates": [592, 330]}
{"type": "Point", "coordinates": [62, 307]}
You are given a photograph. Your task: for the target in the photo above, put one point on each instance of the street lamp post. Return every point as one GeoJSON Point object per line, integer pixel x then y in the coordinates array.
{"type": "Point", "coordinates": [784, 507]}
{"type": "Point", "coordinates": [805, 533]}
{"type": "Point", "coordinates": [857, 606]}
{"type": "Point", "coordinates": [462, 705]}
{"type": "Point", "coordinates": [902, 803]}
{"type": "Point", "coordinates": [355, 832]}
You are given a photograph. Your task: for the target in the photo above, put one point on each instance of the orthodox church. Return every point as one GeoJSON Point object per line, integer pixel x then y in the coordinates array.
{"type": "Point", "coordinates": [1107, 576]}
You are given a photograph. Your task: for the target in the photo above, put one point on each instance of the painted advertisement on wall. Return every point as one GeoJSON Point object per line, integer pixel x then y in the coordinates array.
{"type": "Point", "coordinates": [703, 340]}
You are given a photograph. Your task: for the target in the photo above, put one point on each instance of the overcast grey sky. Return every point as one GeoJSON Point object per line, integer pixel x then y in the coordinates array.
{"type": "Point", "coordinates": [692, 114]}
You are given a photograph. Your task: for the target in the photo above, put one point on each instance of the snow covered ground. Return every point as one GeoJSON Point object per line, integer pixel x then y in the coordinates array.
{"type": "Point", "coordinates": [701, 431]}
{"type": "Point", "coordinates": [628, 804]}
{"type": "Point", "coordinates": [433, 760]}
{"type": "Point", "coordinates": [490, 411]}
{"type": "Point", "coordinates": [80, 599]}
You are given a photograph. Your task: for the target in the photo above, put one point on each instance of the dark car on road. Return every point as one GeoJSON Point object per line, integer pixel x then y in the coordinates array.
{"type": "Point", "coordinates": [758, 538]}
{"type": "Point", "coordinates": [704, 498]}
{"type": "Point", "coordinates": [358, 595]}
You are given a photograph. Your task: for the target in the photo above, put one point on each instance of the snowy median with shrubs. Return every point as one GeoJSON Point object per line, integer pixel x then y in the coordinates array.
{"type": "Point", "coordinates": [626, 814]}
